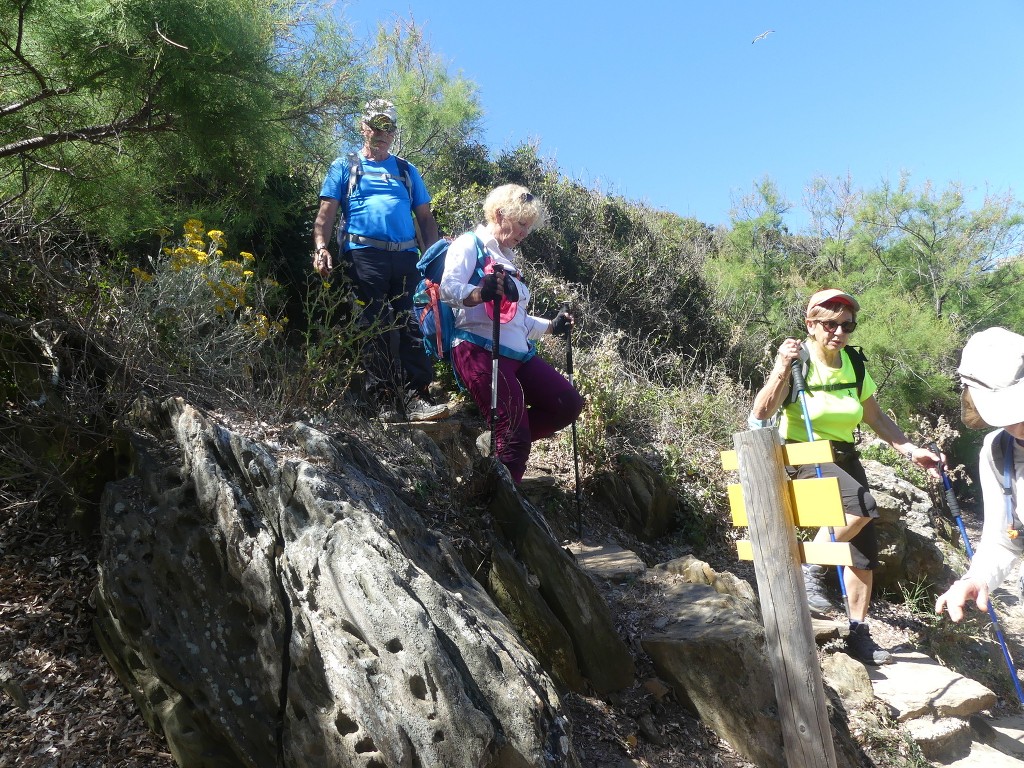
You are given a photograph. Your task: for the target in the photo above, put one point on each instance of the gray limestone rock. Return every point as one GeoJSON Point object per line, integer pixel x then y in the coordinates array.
{"type": "Point", "coordinates": [568, 591]}
{"type": "Point", "coordinates": [713, 653]}
{"type": "Point", "coordinates": [641, 496]}
{"type": "Point", "coordinates": [270, 612]}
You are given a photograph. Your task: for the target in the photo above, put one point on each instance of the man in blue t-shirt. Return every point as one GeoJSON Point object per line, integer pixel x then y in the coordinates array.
{"type": "Point", "coordinates": [382, 208]}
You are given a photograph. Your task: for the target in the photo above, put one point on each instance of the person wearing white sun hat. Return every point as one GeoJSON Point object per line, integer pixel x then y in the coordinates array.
{"type": "Point", "coordinates": [992, 372]}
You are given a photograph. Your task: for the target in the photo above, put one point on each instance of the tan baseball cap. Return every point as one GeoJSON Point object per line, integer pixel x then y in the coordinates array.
{"type": "Point", "coordinates": [832, 294]}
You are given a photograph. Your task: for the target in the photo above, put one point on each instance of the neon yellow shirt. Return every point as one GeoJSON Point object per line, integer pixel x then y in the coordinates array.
{"type": "Point", "coordinates": [832, 404]}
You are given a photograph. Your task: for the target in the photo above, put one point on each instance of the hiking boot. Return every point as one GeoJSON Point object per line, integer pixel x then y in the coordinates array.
{"type": "Point", "coordinates": [419, 410]}
{"type": "Point", "coordinates": [415, 410]}
{"type": "Point", "coordinates": [865, 650]}
{"type": "Point", "coordinates": [815, 587]}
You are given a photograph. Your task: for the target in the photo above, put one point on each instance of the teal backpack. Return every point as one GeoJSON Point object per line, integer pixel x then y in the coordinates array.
{"type": "Point", "coordinates": [435, 318]}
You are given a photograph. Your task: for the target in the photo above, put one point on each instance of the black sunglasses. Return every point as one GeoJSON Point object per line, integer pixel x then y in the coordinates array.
{"type": "Point", "coordinates": [831, 325]}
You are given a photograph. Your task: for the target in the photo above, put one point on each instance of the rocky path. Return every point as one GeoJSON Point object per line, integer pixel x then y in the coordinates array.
{"type": "Point", "coordinates": [952, 718]}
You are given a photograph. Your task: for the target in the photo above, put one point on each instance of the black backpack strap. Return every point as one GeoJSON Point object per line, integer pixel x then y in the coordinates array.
{"type": "Point", "coordinates": [857, 360]}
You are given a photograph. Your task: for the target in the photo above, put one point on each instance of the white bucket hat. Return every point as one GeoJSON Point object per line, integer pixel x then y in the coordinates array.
{"type": "Point", "coordinates": [992, 371]}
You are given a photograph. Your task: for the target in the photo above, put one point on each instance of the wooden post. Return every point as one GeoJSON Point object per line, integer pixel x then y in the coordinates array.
{"type": "Point", "coordinates": [806, 733]}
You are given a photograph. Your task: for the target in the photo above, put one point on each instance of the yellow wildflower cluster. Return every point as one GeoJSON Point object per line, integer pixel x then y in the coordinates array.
{"type": "Point", "coordinates": [262, 327]}
{"type": "Point", "coordinates": [230, 296]}
{"type": "Point", "coordinates": [232, 285]}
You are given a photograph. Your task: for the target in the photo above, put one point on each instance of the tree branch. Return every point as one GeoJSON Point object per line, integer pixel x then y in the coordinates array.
{"type": "Point", "coordinates": [137, 123]}
{"type": "Point", "coordinates": [41, 96]}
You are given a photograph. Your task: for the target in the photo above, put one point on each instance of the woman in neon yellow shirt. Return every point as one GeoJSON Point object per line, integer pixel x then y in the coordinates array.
{"type": "Point", "coordinates": [836, 403]}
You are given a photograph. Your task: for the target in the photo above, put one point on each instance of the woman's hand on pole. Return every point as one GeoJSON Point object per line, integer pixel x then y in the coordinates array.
{"type": "Point", "coordinates": [789, 350]}
{"type": "Point", "coordinates": [776, 385]}
{"type": "Point", "coordinates": [955, 598]}
{"type": "Point", "coordinates": [928, 460]}
{"type": "Point", "coordinates": [492, 286]}
{"type": "Point", "coordinates": [561, 324]}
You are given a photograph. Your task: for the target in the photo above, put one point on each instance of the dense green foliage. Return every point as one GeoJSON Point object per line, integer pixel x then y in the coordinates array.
{"type": "Point", "coordinates": [133, 116]}
{"type": "Point", "coordinates": [927, 270]}
{"type": "Point", "coordinates": [131, 113]}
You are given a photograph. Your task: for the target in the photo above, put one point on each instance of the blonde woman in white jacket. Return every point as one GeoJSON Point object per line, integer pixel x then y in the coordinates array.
{"type": "Point", "coordinates": [534, 400]}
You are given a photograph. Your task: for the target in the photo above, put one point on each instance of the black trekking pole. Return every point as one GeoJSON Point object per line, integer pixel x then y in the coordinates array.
{"type": "Point", "coordinates": [575, 450]}
{"type": "Point", "coordinates": [800, 386]}
{"type": "Point", "coordinates": [954, 509]}
{"type": "Point", "coordinates": [499, 271]}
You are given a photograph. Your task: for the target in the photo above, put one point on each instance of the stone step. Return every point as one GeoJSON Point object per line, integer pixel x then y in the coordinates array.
{"type": "Point", "coordinates": [1003, 746]}
{"type": "Point", "coordinates": [941, 738]}
{"type": "Point", "coordinates": [607, 561]}
{"type": "Point", "coordinates": [915, 686]}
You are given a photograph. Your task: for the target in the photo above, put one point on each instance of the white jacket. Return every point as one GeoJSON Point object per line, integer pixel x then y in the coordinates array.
{"type": "Point", "coordinates": [460, 264]}
{"type": "Point", "coordinates": [996, 552]}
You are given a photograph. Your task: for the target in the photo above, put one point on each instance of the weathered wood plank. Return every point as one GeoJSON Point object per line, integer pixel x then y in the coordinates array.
{"type": "Point", "coordinates": [806, 733]}
{"type": "Point", "coordinates": [816, 452]}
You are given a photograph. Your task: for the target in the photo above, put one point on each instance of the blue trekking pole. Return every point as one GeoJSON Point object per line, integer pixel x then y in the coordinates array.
{"type": "Point", "coordinates": [800, 387]}
{"type": "Point", "coordinates": [954, 508]}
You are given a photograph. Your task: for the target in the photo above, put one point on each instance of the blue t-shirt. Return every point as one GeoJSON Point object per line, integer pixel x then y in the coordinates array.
{"type": "Point", "coordinates": [379, 206]}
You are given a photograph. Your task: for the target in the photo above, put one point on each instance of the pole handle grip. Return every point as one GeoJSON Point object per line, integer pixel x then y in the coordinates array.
{"type": "Point", "coordinates": [799, 383]}
{"type": "Point", "coordinates": [954, 505]}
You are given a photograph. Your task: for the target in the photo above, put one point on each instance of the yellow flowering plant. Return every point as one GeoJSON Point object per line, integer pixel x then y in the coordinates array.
{"type": "Point", "coordinates": [203, 312]}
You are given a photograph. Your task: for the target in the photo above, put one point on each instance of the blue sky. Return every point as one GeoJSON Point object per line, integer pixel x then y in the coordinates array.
{"type": "Point", "coordinates": [670, 103]}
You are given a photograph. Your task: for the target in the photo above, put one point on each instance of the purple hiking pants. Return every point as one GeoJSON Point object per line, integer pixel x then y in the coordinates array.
{"type": "Point", "coordinates": [534, 400]}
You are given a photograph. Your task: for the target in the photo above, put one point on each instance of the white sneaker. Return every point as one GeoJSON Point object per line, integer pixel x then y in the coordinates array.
{"type": "Point", "coordinates": [419, 410]}
{"type": "Point", "coordinates": [483, 444]}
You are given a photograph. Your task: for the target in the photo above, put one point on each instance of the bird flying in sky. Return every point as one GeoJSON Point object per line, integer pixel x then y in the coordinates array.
{"type": "Point", "coordinates": [762, 36]}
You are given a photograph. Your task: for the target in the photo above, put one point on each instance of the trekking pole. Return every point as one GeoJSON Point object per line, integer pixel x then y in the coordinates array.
{"type": "Point", "coordinates": [575, 450]}
{"type": "Point", "coordinates": [800, 386]}
{"type": "Point", "coordinates": [954, 508]}
{"type": "Point", "coordinates": [495, 337]}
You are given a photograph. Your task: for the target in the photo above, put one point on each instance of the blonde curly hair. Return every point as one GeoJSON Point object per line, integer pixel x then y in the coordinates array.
{"type": "Point", "coordinates": [515, 202]}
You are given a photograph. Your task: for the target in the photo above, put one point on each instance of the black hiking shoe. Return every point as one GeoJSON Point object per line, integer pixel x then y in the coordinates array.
{"type": "Point", "coordinates": [865, 650]}
{"type": "Point", "coordinates": [815, 587]}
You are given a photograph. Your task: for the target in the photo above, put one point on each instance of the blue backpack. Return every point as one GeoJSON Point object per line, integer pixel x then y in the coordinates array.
{"type": "Point", "coordinates": [436, 319]}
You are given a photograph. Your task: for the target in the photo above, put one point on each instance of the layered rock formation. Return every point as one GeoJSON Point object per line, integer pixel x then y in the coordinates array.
{"type": "Point", "coordinates": [295, 612]}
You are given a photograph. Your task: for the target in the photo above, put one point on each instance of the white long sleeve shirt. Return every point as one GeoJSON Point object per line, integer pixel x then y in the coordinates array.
{"type": "Point", "coordinates": [459, 266]}
{"type": "Point", "coordinates": [996, 553]}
